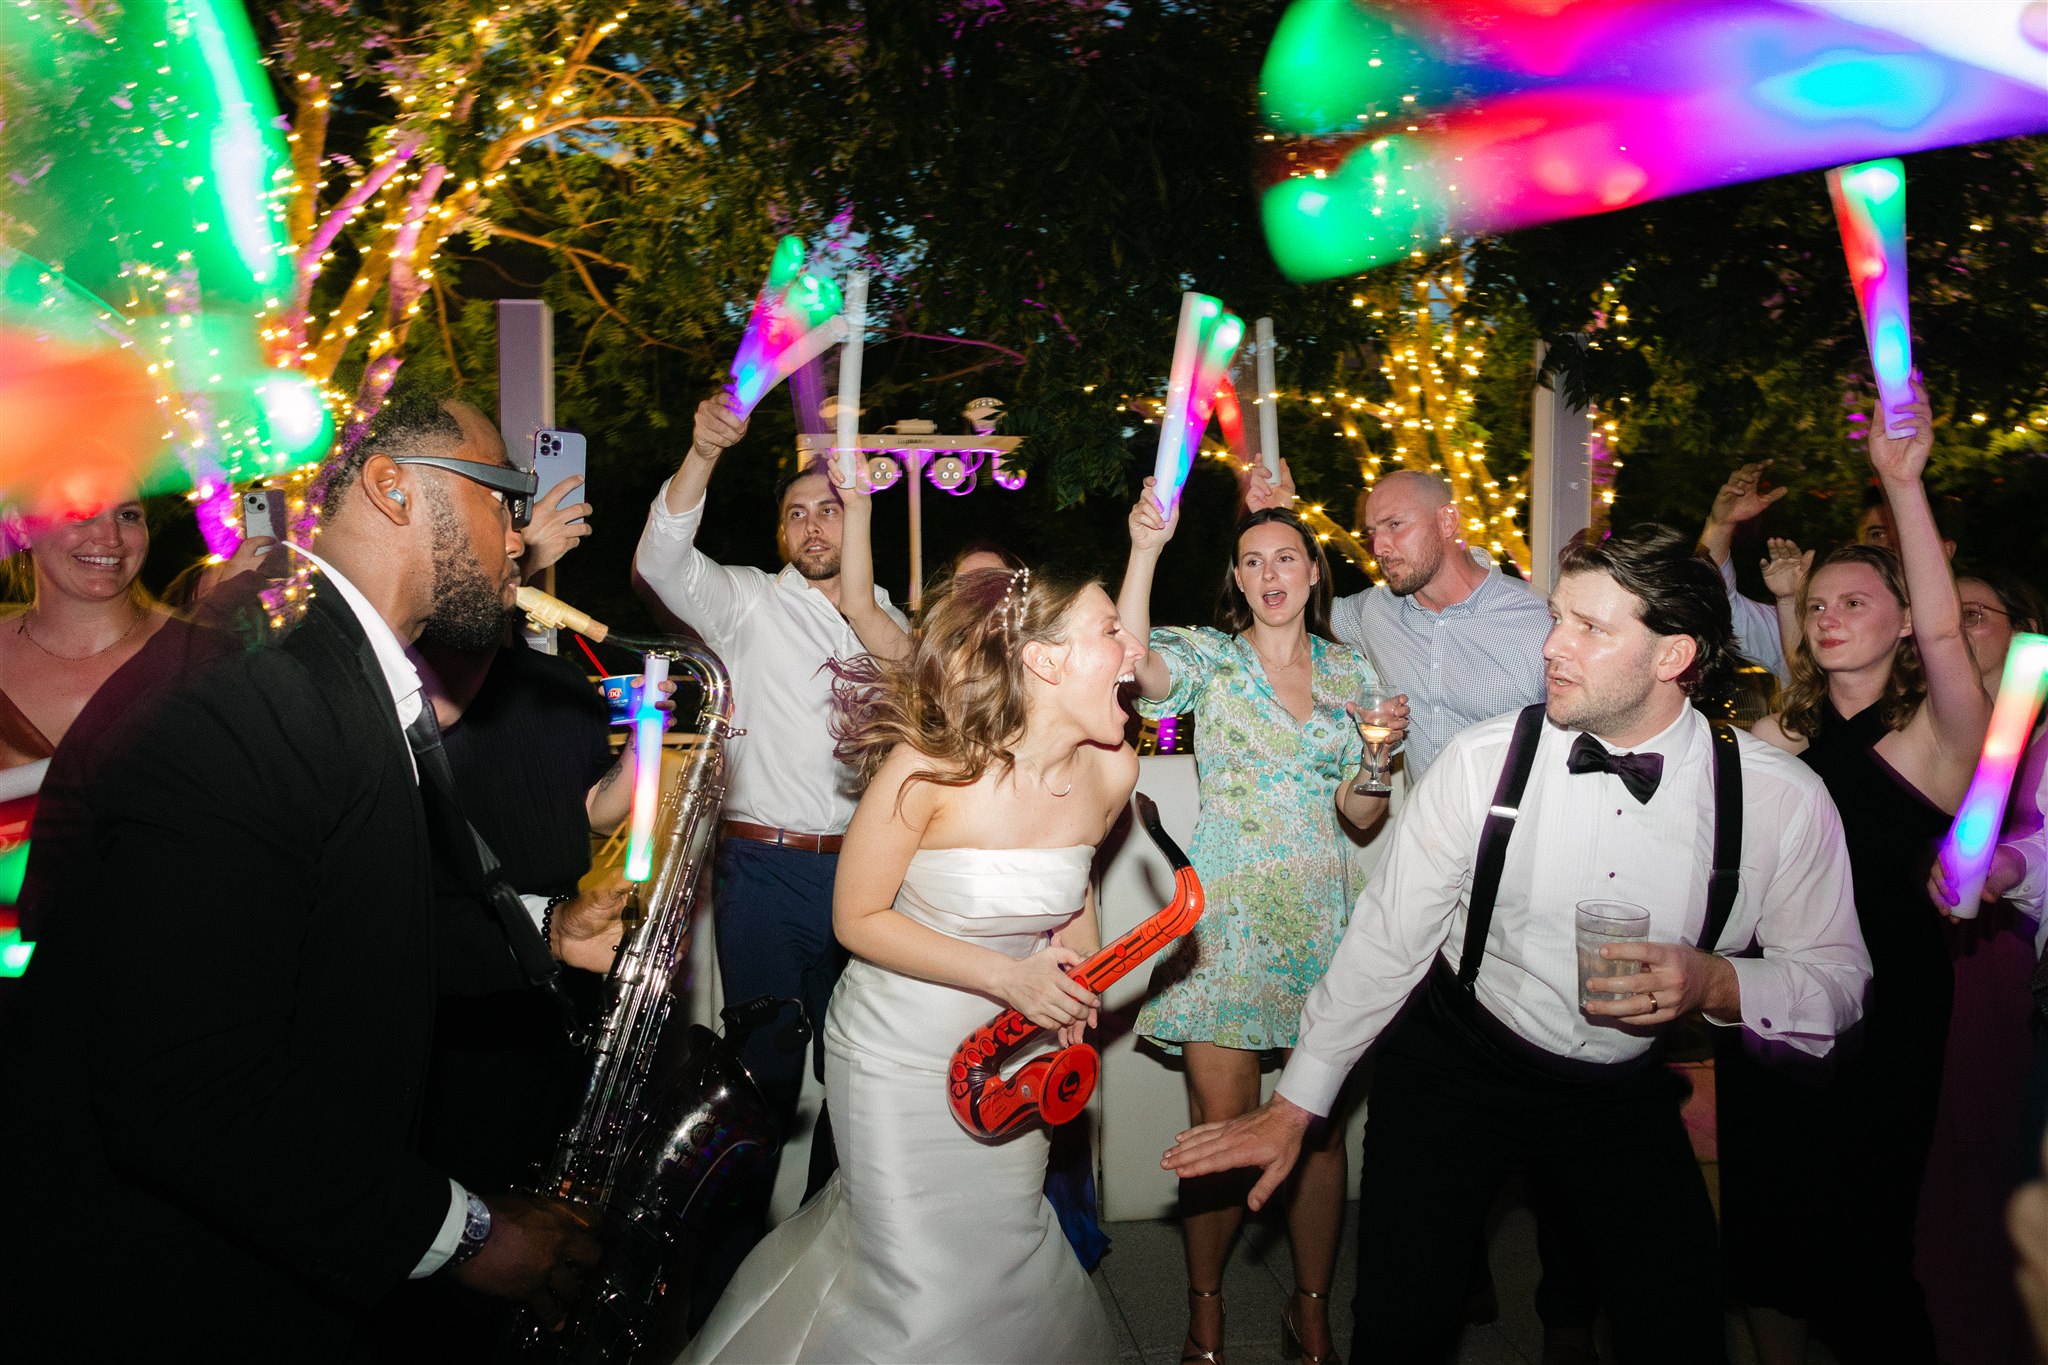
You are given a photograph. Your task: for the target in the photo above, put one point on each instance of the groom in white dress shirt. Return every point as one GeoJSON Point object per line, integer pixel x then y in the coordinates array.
{"type": "Point", "coordinates": [1500, 1062]}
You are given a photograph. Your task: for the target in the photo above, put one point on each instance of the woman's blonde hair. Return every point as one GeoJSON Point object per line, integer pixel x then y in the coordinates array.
{"type": "Point", "coordinates": [1904, 689]}
{"type": "Point", "coordinates": [958, 698]}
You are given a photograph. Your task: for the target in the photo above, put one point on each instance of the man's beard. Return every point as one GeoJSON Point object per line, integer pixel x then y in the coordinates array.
{"type": "Point", "coordinates": [469, 611]}
{"type": "Point", "coordinates": [1419, 573]}
{"type": "Point", "coordinates": [817, 571]}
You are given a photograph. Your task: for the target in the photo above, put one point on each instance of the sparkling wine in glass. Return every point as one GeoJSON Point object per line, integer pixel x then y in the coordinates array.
{"type": "Point", "coordinates": [1378, 736]}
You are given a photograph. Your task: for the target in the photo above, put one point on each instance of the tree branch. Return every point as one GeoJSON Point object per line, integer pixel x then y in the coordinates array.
{"type": "Point", "coordinates": [1016, 356]}
{"type": "Point", "coordinates": [499, 230]}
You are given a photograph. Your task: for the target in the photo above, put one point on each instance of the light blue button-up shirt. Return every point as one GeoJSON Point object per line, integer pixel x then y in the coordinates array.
{"type": "Point", "coordinates": [1472, 661]}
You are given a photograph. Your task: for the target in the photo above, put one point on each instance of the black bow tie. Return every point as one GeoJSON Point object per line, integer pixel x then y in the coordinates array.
{"type": "Point", "coordinates": [1640, 773]}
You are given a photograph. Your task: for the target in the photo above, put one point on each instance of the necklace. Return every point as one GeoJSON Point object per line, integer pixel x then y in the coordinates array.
{"type": "Point", "coordinates": [23, 631]}
{"type": "Point", "coordinates": [1271, 662]}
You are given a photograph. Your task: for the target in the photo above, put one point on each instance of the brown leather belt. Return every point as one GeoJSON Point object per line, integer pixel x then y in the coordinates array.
{"type": "Point", "coordinates": [782, 838]}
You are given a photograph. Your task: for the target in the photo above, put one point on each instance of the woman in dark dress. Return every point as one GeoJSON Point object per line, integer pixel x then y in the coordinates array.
{"type": "Point", "coordinates": [1821, 1170]}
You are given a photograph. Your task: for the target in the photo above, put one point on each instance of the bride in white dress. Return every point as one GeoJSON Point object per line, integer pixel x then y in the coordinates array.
{"type": "Point", "coordinates": [994, 762]}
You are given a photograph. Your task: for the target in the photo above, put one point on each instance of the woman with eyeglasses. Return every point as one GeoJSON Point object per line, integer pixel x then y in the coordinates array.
{"type": "Point", "coordinates": [1821, 1176]}
{"type": "Point", "coordinates": [1980, 1153]}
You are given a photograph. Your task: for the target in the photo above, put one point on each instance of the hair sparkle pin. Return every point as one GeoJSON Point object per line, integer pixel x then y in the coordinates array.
{"type": "Point", "coordinates": [1016, 598]}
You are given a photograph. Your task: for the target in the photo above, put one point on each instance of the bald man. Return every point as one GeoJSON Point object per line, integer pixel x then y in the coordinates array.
{"type": "Point", "coordinates": [1465, 643]}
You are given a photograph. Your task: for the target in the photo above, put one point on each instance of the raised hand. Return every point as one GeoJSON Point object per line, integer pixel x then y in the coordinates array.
{"type": "Point", "coordinates": [1785, 568]}
{"type": "Point", "coordinates": [1742, 497]}
{"type": "Point", "coordinates": [1039, 988]}
{"type": "Point", "coordinates": [1259, 490]}
{"type": "Point", "coordinates": [1151, 527]}
{"type": "Point", "coordinates": [719, 426]}
{"type": "Point", "coordinates": [554, 530]}
{"type": "Point", "coordinates": [1903, 459]}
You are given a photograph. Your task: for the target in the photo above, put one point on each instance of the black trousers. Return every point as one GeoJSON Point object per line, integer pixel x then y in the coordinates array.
{"type": "Point", "coordinates": [1449, 1113]}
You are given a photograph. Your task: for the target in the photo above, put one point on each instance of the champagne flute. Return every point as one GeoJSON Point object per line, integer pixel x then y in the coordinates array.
{"type": "Point", "coordinates": [1378, 736]}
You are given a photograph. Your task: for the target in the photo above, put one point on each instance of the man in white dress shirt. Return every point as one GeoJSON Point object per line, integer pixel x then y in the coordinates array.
{"type": "Point", "coordinates": [787, 798]}
{"type": "Point", "coordinates": [1496, 1060]}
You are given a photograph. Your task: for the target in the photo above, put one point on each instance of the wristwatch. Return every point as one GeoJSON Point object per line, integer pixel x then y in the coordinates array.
{"type": "Point", "coordinates": [476, 1226]}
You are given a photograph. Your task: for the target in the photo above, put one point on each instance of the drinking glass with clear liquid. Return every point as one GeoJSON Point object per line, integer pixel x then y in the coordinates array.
{"type": "Point", "coordinates": [1374, 778]}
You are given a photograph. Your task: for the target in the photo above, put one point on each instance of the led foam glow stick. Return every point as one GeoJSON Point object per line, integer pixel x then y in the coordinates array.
{"type": "Point", "coordinates": [1973, 837]}
{"type": "Point", "coordinates": [791, 324]}
{"type": "Point", "coordinates": [647, 724]}
{"type": "Point", "coordinates": [1870, 206]}
{"type": "Point", "coordinates": [1420, 118]}
{"type": "Point", "coordinates": [846, 457]}
{"type": "Point", "coordinates": [1203, 344]}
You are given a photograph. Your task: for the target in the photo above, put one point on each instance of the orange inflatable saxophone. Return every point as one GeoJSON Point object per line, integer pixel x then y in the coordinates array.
{"type": "Point", "coordinates": [1057, 1087]}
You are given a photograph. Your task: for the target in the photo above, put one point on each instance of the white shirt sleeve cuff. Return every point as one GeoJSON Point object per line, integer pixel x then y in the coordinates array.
{"type": "Point", "coordinates": [450, 1236]}
{"type": "Point", "coordinates": [536, 906]}
{"type": "Point", "coordinates": [1311, 1083]}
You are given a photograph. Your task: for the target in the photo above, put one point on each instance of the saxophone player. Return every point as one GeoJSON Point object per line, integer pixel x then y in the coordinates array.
{"type": "Point", "coordinates": [222, 1048]}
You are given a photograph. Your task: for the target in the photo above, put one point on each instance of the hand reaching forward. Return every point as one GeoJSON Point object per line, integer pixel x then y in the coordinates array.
{"type": "Point", "coordinates": [1039, 988]}
{"type": "Point", "coordinates": [1269, 1137]}
{"type": "Point", "coordinates": [1151, 528]}
{"type": "Point", "coordinates": [1260, 490]}
{"type": "Point", "coordinates": [1741, 498]}
{"type": "Point", "coordinates": [1902, 459]}
{"type": "Point", "coordinates": [1785, 568]}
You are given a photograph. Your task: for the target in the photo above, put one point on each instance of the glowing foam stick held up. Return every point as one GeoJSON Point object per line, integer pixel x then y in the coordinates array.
{"type": "Point", "coordinates": [846, 453]}
{"type": "Point", "coordinates": [1204, 342]}
{"type": "Point", "coordinates": [792, 323]}
{"type": "Point", "coordinates": [647, 725]}
{"type": "Point", "coordinates": [1870, 207]}
{"type": "Point", "coordinates": [1973, 838]}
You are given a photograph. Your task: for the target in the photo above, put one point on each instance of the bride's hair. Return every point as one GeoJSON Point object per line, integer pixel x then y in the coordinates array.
{"type": "Point", "coordinates": [958, 699]}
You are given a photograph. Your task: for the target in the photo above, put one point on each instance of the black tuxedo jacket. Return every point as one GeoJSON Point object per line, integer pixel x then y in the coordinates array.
{"type": "Point", "coordinates": [222, 1042]}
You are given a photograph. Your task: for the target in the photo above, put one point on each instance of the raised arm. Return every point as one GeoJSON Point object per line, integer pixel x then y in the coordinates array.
{"type": "Point", "coordinates": [1955, 693]}
{"type": "Point", "coordinates": [1151, 528]}
{"type": "Point", "coordinates": [719, 428]}
{"type": "Point", "coordinates": [886, 830]}
{"type": "Point", "coordinates": [708, 596]}
{"type": "Point", "coordinates": [878, 632]}
{"type": "Point", "coordinates": [1740, 499]}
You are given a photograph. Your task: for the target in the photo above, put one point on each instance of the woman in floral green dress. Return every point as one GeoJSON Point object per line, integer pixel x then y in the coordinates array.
{"type": "Point", "coordinates": [1275, 744]}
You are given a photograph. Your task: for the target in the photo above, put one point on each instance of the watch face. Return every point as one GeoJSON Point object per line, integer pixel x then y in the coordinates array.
{"type": "Point", "coordinates": [476, 1224]}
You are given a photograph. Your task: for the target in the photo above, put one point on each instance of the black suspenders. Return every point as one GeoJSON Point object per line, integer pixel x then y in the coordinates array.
{"type": "Point", "coordinates": [1722, 883]}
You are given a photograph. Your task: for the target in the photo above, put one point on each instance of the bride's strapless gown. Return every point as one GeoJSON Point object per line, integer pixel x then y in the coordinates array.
{"type": "Point", "coordinates": [929, 1245]}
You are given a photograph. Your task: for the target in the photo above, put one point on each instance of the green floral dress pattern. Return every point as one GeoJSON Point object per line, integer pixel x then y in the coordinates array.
{"type": "Point", "coordinates": [1267, 844]}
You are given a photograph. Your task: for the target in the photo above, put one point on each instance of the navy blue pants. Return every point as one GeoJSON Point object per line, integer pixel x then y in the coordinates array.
{"type": "Point", "coordinates": [774, 909]}
{"type": "Point", "coordinates": [774, 916]}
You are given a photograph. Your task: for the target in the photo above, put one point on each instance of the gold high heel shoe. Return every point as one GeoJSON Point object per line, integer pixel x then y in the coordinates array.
{"type": "Point", "coordinates": [1210, 1356]}
{"type": "Point", "coordinates": [1290, 1336]}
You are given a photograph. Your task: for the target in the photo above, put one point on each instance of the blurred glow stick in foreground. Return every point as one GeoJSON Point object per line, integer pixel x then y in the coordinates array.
{"type": "Point", "coordinates": [793, 322]}
{"type": "Point", "coordinates": [1203, 344]}
{"type": "Point", "coordinates": [1974, 836]}
{"type": "Point", "coordinates": [647, 725]}
{"type": "Point", "coordinates": [846, 454]}
{"type": "Point", "coordinates": [1870, 207]}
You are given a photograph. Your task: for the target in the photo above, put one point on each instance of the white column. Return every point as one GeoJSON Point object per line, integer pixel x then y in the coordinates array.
{"type": "Point", "coordinates": [526, 374]}
{"type": "Point", "coordinates": [1560, 480]}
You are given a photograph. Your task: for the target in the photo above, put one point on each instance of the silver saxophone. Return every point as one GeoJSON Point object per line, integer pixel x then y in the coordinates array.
{"type": "Point", "coordinates": [668, 1118]}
